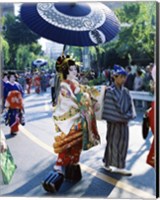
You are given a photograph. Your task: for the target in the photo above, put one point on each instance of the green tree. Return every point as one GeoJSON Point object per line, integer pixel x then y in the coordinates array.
{"type": "Point", "coordinates": [26, 54]}
{"type": "Point", "coordinates": [137, 39]}
{"type": "Point", "coordinates": [75, 52]}
{"type": "Point", "coordinates": [17, 34]}
{"type": "Point", "coordinates": [4, 48]}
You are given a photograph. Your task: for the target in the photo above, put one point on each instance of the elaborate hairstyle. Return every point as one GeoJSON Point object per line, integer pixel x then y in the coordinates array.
{"type": "Point", "coordinates": [63, 64]}
{"type": "Point", "coordinates": [4, 74]}
{"type": "Point", "coordinates": [10, 73]}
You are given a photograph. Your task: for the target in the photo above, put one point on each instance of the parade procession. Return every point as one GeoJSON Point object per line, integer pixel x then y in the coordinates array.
{"type": "Point", "coordinates": [79, 110]}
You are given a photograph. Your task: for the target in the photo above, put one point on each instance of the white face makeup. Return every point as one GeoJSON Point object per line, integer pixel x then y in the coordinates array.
{"type": "Point", "coordinates": [12, 78]}
{"type": "Point", "coordinates": [73, 72]}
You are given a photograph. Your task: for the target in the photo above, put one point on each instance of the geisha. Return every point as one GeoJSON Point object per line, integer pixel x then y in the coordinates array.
{"type": "Point", "coordinates": [13, 93]}
{"type": "Point", "coordinates": [74, 117]}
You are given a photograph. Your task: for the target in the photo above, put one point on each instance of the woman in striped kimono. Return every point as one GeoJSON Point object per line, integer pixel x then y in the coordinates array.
{"type": "Point", "coordinates": [118, 109]}
{"type": "Point", "coordinates": [74, 117]}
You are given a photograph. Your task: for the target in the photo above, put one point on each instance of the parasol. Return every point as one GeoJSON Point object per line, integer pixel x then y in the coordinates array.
{"type": "Point", "coordinates": [75, 24]}
{"type": "Point", "coordinates": [39, 62]}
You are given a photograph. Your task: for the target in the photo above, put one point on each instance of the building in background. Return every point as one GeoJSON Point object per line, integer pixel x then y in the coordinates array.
{"type": "Point", "coordinates": [52, 49]}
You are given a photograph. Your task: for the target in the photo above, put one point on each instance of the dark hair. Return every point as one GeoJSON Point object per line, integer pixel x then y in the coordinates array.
{"type": "Point", "coordinates": [151, 65]}
{"type": "Point", "coordinates": [65, 70]}
{"type": "Point", "coordinates": [10, 73]}
{"type": "Point", "coordinates": [129, 68]}
{"type": "Point", "coordinates": [63, 64]}
{"type": "Point", "coordinates": [139, 72]}
{"type": "Point", "coordinates": [4, 74]}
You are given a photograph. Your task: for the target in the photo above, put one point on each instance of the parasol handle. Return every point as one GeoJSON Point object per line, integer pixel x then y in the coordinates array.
{"type": "Point", "coordinates": [64, 47]}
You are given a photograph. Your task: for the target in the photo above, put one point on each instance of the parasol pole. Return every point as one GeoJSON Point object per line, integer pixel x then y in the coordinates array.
{"type": "Point", "coordinates": [64, 48]}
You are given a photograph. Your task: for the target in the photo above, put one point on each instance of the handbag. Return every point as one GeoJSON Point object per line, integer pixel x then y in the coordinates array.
{"type": "Point", "coordinates": [7, 166]}
{"type": "Point", "coordinates": [145, 126]}
{"type": "Point", "coordinates": [73, 172]}
{"type": "Point", "coordinates": [53, 181]}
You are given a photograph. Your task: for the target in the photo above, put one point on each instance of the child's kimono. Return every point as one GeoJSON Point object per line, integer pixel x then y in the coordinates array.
{"type": "Point", "coordinates": [75, 122]}
{"type": "Point", "coordinates": [117, 111]}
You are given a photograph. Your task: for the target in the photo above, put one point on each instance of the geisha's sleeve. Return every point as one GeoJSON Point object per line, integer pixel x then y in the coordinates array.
{"type": "Point", "coordinates": [68, 90]}
{"type": "Point", "coordinates": [66, 111]}
{"type": "Point", "coordinates": [97, 95]}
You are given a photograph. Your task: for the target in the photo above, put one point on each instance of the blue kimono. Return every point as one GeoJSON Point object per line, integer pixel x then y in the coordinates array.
{"type": "Point", "coordinates": [118, 109]}
{"type": "Point", "coordinates": [10, 87]}
{"type": "Point", "coordinates": [14, 114]}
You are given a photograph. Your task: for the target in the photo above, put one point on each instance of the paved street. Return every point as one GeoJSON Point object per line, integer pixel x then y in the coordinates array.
{"type": "Point", "coordinates": [33, 154]}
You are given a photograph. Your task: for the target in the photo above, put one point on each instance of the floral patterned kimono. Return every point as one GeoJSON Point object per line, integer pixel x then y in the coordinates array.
{"type": "Point", "coordinates": [14, 103]}
{"type": "Point", "coordinates": [75, 122]}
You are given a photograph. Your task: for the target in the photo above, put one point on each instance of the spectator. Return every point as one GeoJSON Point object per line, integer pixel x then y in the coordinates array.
{"type": "Point", "coordinates": [130, 79]}
{"type": "Point", "coordinates": [52, 84]}
{"type": "Point", "coordinates": [138, 81]}
{"type": "Point", "coordinates": [138, 86]}
{"type": "Point", "coordinates": [22, 81]}
{"type": "Point", "coordinates": [43, 82]}
{"type": "Point", "coordinates": [28, 83]}
{"type": "Point", "coordinates": [147, 78]}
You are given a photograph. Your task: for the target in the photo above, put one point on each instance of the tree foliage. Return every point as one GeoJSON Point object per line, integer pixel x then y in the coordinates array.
{"type": "Point", "coordinates": [136, 40]}
{"type": "Point", "coordinates": [26, 54]}
{"type": "Point", "coordinates": [23, 44]}
{"type": "Point", "coordinates": [4, 49]}
{"type": "Point", "coordinates": [17, 32]}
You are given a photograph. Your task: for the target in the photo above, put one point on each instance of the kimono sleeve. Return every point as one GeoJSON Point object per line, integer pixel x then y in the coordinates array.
{"type": "Point", "coordinates": [111, 112]}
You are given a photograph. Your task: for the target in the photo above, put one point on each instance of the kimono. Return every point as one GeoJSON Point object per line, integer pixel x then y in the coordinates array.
{"type": "Point", "coordinates": [9, 87]}
{"type": "Point", "coordinates": [37, 83]}
{"type": "Point", "coordinates": [75, 122]}
{"type": "Point", "coordinates": [14, 104]}
{"type": "Point", "coordinates": [28, 84]}
{"type": "Point", "coordinates": [151, 157]}
{"type": "Point", "coordinates": [118, 109]}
